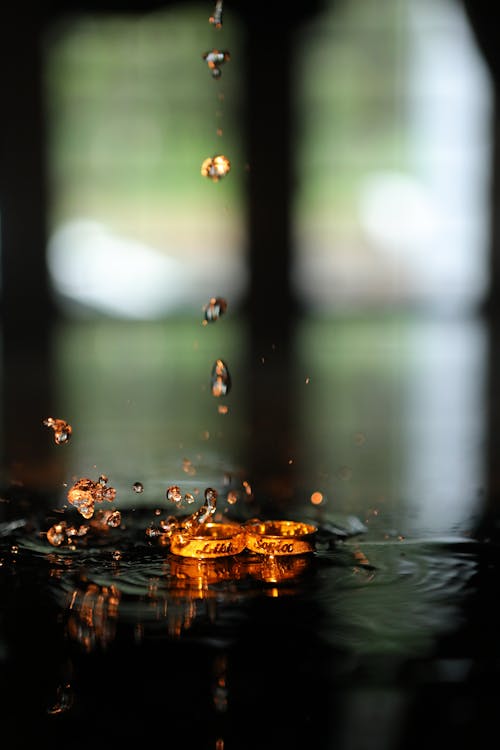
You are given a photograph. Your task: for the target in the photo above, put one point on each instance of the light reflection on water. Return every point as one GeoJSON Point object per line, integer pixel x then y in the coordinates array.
{"type": "Point", "coordinates": [345, 621]}
{"type": "Point", "coordinates": [394, 574]}
{"type": "Point", "coordinates": [392, 597]}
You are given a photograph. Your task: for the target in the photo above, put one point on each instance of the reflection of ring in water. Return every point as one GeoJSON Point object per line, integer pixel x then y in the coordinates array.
{"type": "Point", "coordinates": [272, 570]}
{"type": "Point", "coordinates": [280, 537]}
{"type": "Point", "coordinates": [209, 540]}
{"type": "Point", "coordinates": [192, 578]}
{"type": "Point", "coordinates": [189, 573]}
{"type": "Point", "coordinates": [93, 614]}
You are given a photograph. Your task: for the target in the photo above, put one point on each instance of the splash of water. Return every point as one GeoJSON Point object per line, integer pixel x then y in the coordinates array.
{"type": "Point", "coordinates": [62, 430]}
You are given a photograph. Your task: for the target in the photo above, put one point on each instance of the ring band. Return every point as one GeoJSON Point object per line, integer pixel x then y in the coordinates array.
{"type": "Point", "coordinates": [280, 537]}
{"type": "Point", "coordinates": [210, 540]}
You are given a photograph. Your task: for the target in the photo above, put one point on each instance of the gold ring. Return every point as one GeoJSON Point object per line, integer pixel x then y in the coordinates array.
{"type": "Point", "coordinates": [210, 539]}
{"type": "Point", "coordinates": [280, 537]}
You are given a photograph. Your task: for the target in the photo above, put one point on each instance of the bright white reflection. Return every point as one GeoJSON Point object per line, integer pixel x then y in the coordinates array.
{"type": "Point", "coordinates": [444, 425]}
{"type": "Point", "coordinates": [91, 265]}
{"type": "Point", "coordinates": [136, 231]}
{"type": "Point", "coordinates": [401, 154]}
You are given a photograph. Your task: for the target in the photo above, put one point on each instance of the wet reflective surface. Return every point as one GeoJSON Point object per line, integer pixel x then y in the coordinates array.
{"type": "Point", "coordinates": [386, 636]}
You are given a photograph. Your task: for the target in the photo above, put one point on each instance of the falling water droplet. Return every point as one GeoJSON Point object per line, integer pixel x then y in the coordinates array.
{"type": "Point", "coordinates": [215, 167]}
{"type": "Point", "coordinates": [215, 307]}
{"type": "Point", "coordinates": [62, 430]}
{"type": "Point", "coordinates": [214, 59]}
{"type": "Point", "coordinates": [138, 487]}
{"type": "Point", "coordinates": [56, 535]}
{"type": "Point", "coordinates": [114, 519]}
{"type": "Point", "coordinates": [216, 18]}
{"type": "Point", "coordinates": [85, 493]}
{"type": "Point", "coordinates": [220, 379]}
{"type": "Point", "coordinates": [81, 495]}
{"type": "Point", "coordinates": [174, 494]}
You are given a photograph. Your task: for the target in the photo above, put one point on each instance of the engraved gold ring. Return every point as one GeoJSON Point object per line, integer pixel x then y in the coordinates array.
{"type": "Point", "coordinates": [209, 540]}
{"type": "Point", "coordinates": [280, 537]}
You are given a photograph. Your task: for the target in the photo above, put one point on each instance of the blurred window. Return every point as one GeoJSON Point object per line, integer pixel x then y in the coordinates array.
{"type": "Point", "coordinates": [133, 111]}
{"type": "Point", "coordinates": [393, 147]}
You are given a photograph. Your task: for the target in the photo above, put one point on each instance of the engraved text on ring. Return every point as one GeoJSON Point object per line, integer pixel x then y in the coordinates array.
{"type": "Point", "coordinates": [275, 547]}
{"type": "Point", "coordinates": [220, 548]}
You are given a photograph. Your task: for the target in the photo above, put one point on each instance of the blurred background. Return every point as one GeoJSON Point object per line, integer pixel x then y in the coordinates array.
{"type": "Point", "coordinates": [352, 240]}
{"type": "Point", "coordinates": [355, 240]}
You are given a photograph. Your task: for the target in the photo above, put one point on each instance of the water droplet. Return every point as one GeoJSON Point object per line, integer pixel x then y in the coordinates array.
{"type": "Point", "coordinates": [117, 555]}
{"type": "Point", "coordinates": [205, 512]}
{"type": "Point", "coordinates": [81, 495]}
{"type": "Point", "coordinates": [189, 498]}
{"type": "Point", "coordinates": [214, 59]}
{"type": "Point", "coordinates": [215, 167]}
{"type": "Point", "coordinates": [222, 409]}
{"type": "Point", "coordinates": [220, 379]}
{"type": "Point", "coordinates": [169, 524]}
{"type": "Point", "coordinates": [211, 497]}
{"type": "Point", "coordinates": [232, 497]}
{"type": "Point", "coordinates": [62, 430]}
{"type": "Point", "coordinates": [215, 307]}
{"type": "Point", "coordinates": [316, 498]}
{"type": "Point", "coordinates": [85, 493]}
{"type": "Point", "coordinates": [114, 519]}
{"type": "Point", "coordinates": [216, 18]}
{"type": "Point", "coordinates": [138, 487]}
{"type": "Point", "coordinates": [56, 535]}
{"type": "Point", "coordinates": [174, 494]}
